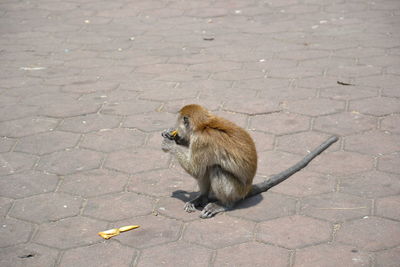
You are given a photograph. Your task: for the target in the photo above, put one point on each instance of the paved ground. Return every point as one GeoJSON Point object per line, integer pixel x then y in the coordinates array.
{"type": "Point", "coordinates": [86, 87]}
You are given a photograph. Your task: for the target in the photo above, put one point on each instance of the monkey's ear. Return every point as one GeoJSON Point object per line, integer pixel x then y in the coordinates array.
{"type": "Point", "coordinates": [186, 121]}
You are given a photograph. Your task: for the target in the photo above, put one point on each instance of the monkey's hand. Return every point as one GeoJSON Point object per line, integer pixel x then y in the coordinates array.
{"type": "Point", "coordinates": [167, 144]}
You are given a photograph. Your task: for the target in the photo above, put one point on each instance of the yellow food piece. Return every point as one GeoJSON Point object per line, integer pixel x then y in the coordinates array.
{"type": "Point", "coordinates": [173, 133]}
{"type": "Point", "coordinates": [109, 233]}
{"type": "Point", "coordinates": [127, 228]}
{"type": "Point", "coordinates": [116, 231]}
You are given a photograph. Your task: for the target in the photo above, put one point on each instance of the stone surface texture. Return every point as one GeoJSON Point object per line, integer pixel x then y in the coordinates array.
{"type": "Point", "coordinates": [86, 87]}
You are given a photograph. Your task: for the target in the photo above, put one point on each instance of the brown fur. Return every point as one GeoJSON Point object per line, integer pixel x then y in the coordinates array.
{"type": "Point", "coordinates": [221, 155]}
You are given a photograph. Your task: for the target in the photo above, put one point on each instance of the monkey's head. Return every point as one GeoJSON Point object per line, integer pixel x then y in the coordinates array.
{"type": "Point", "coordinates": [189, 120]}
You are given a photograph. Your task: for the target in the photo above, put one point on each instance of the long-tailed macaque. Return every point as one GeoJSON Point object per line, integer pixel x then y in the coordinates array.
{"type": "Point", "coordinates": [222, 157]}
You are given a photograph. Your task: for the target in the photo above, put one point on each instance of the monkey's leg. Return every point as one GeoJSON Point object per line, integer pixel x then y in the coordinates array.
{"type": "Point", "coordinates": [226, 188]}
{"type": "Point", "coordinates": [202, 198]}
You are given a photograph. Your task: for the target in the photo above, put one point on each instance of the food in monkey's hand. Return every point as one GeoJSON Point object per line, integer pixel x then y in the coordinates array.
{"type": "Point", "coordinates": [170, 134]}
{"type": "Point", "coordinates": [116, 231]}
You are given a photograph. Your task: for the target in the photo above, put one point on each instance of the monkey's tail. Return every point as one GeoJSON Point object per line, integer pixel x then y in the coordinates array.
{"type": "Point", "coordinates": [280, 177]}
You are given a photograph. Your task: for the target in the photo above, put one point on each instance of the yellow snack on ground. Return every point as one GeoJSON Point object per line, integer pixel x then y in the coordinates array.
{"type": "Point", "coordinates": [116, 231]}
{"type": "Point", "coordinates": [127, 228]}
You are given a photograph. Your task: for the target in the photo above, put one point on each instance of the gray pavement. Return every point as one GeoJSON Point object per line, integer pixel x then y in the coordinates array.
{"type": "Point", "coordinates": [86, 87]}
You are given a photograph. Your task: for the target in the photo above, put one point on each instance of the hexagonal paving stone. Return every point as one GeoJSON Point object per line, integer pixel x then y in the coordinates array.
{"type": "Point", "coordinates": [375, 142]}
{"type": "Point", "coordinates": [46, 207]}
{"type": "Point", "coordinates": [294, 231]}
{"type": "Point", "coordinates": [360, 52]}
{"type": "Point", "coordinates": [14, 232]}
{"type": "Point", "coordinates": [391, 123]}
{"type": "Point", "coordinates": [234, 93]}
{"type": "Point", "coordinates": [70, 232]}
{"type": "Point", "coordinates": [378, 106]}
{"type": "Point", "coordinates": [150, 122]}
{"type": "Point", "coordinates": [345, 123]}
{"type": "Point", "coordinates": [263, 207]}
{"type": "Point", "coordinates": [129, 107]}
{"type": "Point", "coordinates": [295, 72]}
{"type": "Point", "coordinates": [389, 83]}
{"type": "Point", "coordinates": [371, 234]}
{"type": "Point", "coordinates": [341, 163]}
{"type": "Point", "coordinates": [331, 255]}
{"type": "Point", "coordinates": [354, 71]}
{"type": "Point", "coordinates": [306, 183]}
{"type": "Point", "coordinates": [89, 87]}
{"type": "Point", "coordinates": [154, 230]}
{"type": "Point", "coordinates": [317, 82]}
{"type": "Point", "coordinates": [169, 94]}
{"type": "Point", "coordinates": [137, 160]}
{"type": "Point", "coordinates": [90, 123]}
{"type": "Point", "coordinates": [5, 204]}
{"type": "Point", "coordinates": [388, 258]}
{"type": "Point", "coordinates": [263, 141]}
{"type": "Point", "coordinates": [335, 207]}
{"type": "Point", "coordinates": [273, 162]}
{"type": "Point", "coordinates": [113, 96]}
{"type": "Point", "coordinates": [179, 253]}
{"type": "Point", "coordinates": [68, 107]}
{"type": "Point", "coordinates": [14, 162]}
{"type": "Point", "coordinates": [216, 66]}
{"type": "Point", "coordinates": [94, 183]}
{"type": "Point", "coordinates": [210, 103]}
{"type": "Point", "coordinates": [286, 93]}
{"type": "Point", "coordinates": [388, 207]}
{"type": "Point", "coordinates": [27, 126]}
{"type": "Point", "coordinates": [235, 75]}
{"type": "Point", "coordinates": [6, 144]}
{"type": "Point", "coordinates": [161, 182]}
{"type": "Point", "coordinates": [315, 106]}
{"type": "Point", "coordinates": [303, 143]}
{"type": "Point", "coordinates": [390, 163]}
{"type": "Point", "coordinates": [70, 161]}
{"type": "Point", "coordinates": [153, 141]}
{"type": "Point", "coordinates": [9, 112]}
{"type": "Point", "coordinates": [280, 123]}
{"type": "Point", "coordinates": [239, 119]}
{"type": "Point", "coordinates": [161, 68]}
{"type": "Point", "coordinates": [349, 92]}
{"type": "Point", "coordinates": [173, 206]}
{"type": "Point", "coordinates": [269, 85]}
{"type": "Point", "coordinates": [252, 254]}
{"type": "Point", "coordinates": [28, 255]}
{"type": "Point", "coordinates": [220, 231]}
{"type": "Point", "coordinates": [118, 206]}
{"type": "Point", "coordinates": [371, 184]}
{"type": "Point", "coordinates": [27, 184]}
{"type": "Point", "coordinates": [184, 76]}
{"type": "Point", "coordinates": [44, 143]}
{"type": "Point", "coordinates": [101, 254]}
{"type": "Point", "coordinates": [113, 139]}
{"type": "Point", "coordinates": [252, 106]}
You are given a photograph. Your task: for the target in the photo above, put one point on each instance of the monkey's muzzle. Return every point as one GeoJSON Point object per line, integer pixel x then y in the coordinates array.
{"type": "Point", "coordinates": [170, 134]}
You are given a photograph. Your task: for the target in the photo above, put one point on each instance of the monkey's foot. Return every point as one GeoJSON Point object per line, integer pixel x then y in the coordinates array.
{"type": "Point", "coordinates": [189, 207]}
{"type": "Point", "coordinates": [211, 209]}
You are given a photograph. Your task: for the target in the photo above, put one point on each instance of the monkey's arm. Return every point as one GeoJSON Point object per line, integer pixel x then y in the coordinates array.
{"type": "Point", "coordinates": [280, 177]}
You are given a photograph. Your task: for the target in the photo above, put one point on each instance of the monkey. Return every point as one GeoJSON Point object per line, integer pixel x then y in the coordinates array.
{"type": "Point", "coordinates": [222, 157]}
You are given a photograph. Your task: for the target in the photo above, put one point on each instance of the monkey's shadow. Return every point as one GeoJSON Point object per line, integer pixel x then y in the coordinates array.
{"type": "Point", "coordinates": [185, 196]}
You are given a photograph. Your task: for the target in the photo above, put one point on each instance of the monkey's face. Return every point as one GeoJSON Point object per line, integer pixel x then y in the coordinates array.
{"type": "Point", "coordinates": [184, 130]}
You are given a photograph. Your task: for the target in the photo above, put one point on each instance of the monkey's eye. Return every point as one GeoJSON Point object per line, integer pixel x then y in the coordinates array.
{"type": "Point", "coordinates": [186, 121]}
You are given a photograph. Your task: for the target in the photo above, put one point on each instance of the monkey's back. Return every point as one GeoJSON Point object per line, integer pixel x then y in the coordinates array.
{"type": "Point", "coordinates": [231, 146]}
